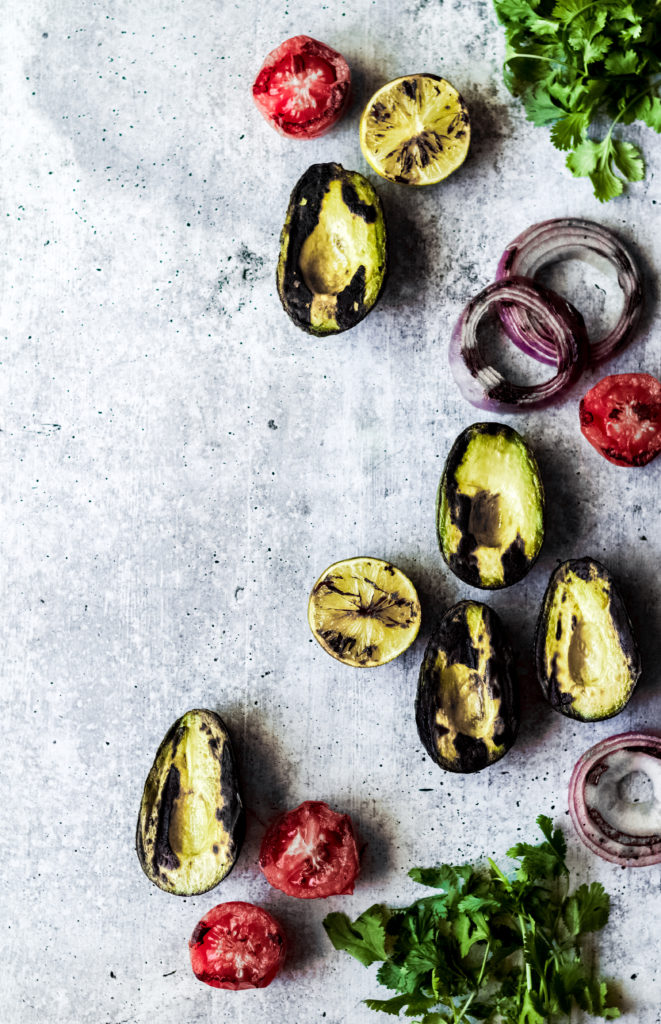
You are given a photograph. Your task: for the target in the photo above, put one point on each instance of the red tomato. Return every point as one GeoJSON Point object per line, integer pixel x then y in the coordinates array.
{"type": "Point", "coordinates": [621, 418]}
{"type": "Point", "coordinates": [310, 852]}
{"type": "Point", "coordinates": [303, 88]}
{"type": "Point", "coordinates": [237, 945]}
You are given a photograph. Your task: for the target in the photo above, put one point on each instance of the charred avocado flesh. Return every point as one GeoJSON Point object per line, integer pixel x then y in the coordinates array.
{"type": "Point", "coordinates": [587, 658]}
{"type": "Point", "coordinates": [191, 822]}
{"type": "Point", "coordinates": [467, 701]}
{"type": "Point", "coordinates": [332, 250]}
{"type": "Point", "coordinates": [490, 509]}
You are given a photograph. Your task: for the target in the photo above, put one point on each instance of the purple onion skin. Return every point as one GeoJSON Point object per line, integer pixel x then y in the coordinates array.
{"type": "Point", "coordinates": [562, 238]}
{"type": "Point", "coordinates": [485, 387]}
{"type": "Point", "coordinates": [618, 849]}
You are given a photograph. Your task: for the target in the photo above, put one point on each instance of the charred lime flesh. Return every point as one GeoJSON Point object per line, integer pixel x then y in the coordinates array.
{"type": "Point", "coordinates": [364, 612]}
{"type": "Point", "coordinates": [415, 130]}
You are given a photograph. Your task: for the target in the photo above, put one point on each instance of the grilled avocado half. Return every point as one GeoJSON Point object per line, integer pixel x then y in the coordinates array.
{"type": "Point", "coordinates": [191, 821]}
{"type": "Point", "coordinates": [586, 654]}
{"type": "Point", "coordinates": [467, 705]}
{"type": "Point", "coordinates": [332, 250]}
{"type": "Point", "coordinates": [490, 507]}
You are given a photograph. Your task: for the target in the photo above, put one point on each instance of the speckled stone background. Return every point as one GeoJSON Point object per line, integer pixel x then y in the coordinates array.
{"type": "Point", "coordinates": [179, 463]}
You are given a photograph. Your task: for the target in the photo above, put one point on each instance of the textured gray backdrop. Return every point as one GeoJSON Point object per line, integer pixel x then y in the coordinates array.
{"type": "Point", "coordinates": [179, 463]}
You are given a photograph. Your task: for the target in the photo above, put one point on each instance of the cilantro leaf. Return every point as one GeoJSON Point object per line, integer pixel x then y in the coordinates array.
{"type": "Point", "coordinates": [594, 160]}
{"type": "Point", "coordinates": [489, 946]}
{"type": "Point", "coordinates": [622, 63]}
{"type": "Point", "coordinates": [628, 159]}
{"type": "Point", "coordinates": [547, 859]}
{"type": "Point", "coordinates": [587, 910]}
{"type": "Point", "coordinates": [365, 939]}
{"type": "Point", "coordinates": [573, 63]}
{"type": "Point", "coordinates": [649, 111]}
{"type": "Point", "coordinates": [530, 1014]}
{"type": "Point", "coordinates": [393, 1005]}
{"type": "Point", "coordinates": [570, 130]}
{"type": "Point", "coordinates": [450, 879]}
{"type": "Point", "coordinates": [541, 108]}
{"type": "Point", "coordinates": [515, 10]}
{"type": "Point", "coordinates": [584, 159]}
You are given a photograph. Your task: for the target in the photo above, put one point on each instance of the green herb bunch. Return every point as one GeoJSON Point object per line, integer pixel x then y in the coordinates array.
{"type": "Point", "coordinates": [574, 63]}
{"type": "Point", "coordinates": [486, 946]}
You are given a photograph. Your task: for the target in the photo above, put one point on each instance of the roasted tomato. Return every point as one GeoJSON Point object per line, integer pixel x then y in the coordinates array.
{"type": "Point", "coordinates": [303, 88]}
{"type": "Point", "coordinates": [621, 418]}
{"type": "Point", "coordinates": [237, 945]}
{"type": "Point", "coordinates": [310, 852]}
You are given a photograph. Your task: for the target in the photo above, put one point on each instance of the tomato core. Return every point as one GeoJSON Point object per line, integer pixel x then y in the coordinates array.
{"type": "Point", "coordinates": [310, 852]}
{"type": "Point", "coordinates": [303, 87]}
{"type": "Point", "coordinates": [299, 87]}
{"type": "Point", "coordinates": [237, 946]}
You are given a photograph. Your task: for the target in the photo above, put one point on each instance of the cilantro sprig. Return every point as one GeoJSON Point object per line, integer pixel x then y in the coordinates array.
{"type": "Point", "coordinates": [486, 946]}
{"type": "Point", "coordinates": [577, 65]}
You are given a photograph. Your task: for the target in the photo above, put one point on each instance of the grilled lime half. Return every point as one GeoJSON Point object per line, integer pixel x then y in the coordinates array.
{"type": "Point", "coordinates": [364, 612]}
{"type": "Point", "coordinates": [415, 130]}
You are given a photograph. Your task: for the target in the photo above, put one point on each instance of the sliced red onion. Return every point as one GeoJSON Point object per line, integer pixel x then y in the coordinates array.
{"type": "Point", "coordinates": [483, 385]}
{"type": "Point", "coordinates": [615, 799]}
{"type": "Point", "coordinates": [561, 239]}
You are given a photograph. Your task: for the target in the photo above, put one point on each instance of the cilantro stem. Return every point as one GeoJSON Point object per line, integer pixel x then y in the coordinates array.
{"type": "Point", "coordinates": [499, 874]}
{"type": "Point", "coordinates": [522, 926]}
{"type": "Point", "coordinates": [621, 114]}
{"type": "Point", "coordinates": [477, 984]}
{"type": "Point", "coordinates": [537, 56]}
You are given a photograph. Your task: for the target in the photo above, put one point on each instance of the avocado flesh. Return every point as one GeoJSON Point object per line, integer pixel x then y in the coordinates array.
{"type": "Point", "coordinates": [467, 702]}
{"type": "Point", "coordinates": [467, 705]}
{"type": "Point", "coordinates": [591, 675]}
{"type": "Point", "coordinates": [339, 245]}
{"type": "Point", "coordinates": [498, 482]}
{"type": "Point", "coordinates": [190, 825]}
{"type": "Point", "coordinates": [332, 250]}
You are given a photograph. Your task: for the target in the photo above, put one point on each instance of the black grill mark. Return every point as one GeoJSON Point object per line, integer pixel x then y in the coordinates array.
{"type": "Point", "coordinates": [356, 205]}
{"type": "Point", "coordinates": [410, 88]}
{"type": "Point", "coordinates": [164, 856]}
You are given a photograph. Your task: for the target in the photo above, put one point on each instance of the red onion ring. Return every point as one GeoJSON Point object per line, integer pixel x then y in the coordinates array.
{"type": "Point", "coordinates": [597, 826]}
{"type": "Point", "coordinates": [483, 385]}
{"type": "Point", "coordinates": [561, 239]}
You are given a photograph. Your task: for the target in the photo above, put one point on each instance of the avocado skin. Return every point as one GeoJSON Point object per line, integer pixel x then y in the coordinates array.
{"type": "Point", "coordinates": [588, 570]}
{"type": "Point", "coordinates": [463, 563]}
{"type": "Point", "coordinates": [452, 636]}
{"type": "Point", "coordinates": [300, 222]}
{"type": "Point", "coordinates": [162, 788]}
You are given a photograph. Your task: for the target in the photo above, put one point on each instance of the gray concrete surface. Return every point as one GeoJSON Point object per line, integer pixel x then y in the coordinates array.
{"type": "Point", "coordinates": [179, 463]}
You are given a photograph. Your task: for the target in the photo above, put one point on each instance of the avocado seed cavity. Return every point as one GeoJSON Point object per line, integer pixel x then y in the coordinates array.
{"type": "Point", "coordinates": [190, 824]}
{"type": "Point", "coordinates": [585, 658]}
{"type": "Point", "coordinates": [324, 263]}
{"type": "Point", "coordinates": [488, 521]}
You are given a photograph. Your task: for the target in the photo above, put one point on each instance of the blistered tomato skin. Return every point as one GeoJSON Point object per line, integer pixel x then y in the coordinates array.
{"type": "Point", "coordinates": [621, 417]}
{"type": "Point", "coordinates": [303, 88]}
{"type": "Point", "coordinates": [237, 946]}
{"type": "Point", "coordinates": [311, 852]}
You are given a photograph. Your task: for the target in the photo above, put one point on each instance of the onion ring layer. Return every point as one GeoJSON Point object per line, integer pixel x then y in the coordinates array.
{"type": "Point", "coordinates": [615, 799]}
{"type": "Point", "coordinates": [483, 385]}
{"type": "Point", "coordinates": [561, 239]}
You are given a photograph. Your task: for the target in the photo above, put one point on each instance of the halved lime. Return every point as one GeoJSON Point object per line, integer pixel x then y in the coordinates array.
{"type": "Point", "coordinates": [364, 611]}
{"type": "Point", "coordinates": [415, 130]}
